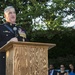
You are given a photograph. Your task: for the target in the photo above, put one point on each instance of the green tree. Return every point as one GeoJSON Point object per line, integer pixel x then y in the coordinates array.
{"type": "Point", "coordinates": [52, 13]}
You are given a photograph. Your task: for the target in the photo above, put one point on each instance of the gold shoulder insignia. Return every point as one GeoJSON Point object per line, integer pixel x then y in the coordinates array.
{"type": "Point", "coordinates": [22, 33]}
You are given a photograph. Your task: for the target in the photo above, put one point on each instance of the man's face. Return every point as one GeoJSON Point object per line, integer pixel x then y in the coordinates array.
{"type": "Point", "coordinates": [10, 16]}
{"type": "Point", "coordinates": [51, 67]}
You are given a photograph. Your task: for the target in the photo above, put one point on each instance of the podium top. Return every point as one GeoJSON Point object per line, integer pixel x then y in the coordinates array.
{"type": "Point", "coordinates": [10, 44]}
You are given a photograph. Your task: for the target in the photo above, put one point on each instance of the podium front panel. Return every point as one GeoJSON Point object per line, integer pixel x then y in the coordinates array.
{"type": "Point", "coordinates": [27, 60]}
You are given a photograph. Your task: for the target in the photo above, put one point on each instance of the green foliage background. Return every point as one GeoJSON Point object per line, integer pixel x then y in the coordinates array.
{"type": "Point", "coordinates": [52, 13]}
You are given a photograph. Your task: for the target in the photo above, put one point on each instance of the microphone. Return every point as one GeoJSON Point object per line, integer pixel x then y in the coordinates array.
{"type": "Point", "coordinates": [15, 30]}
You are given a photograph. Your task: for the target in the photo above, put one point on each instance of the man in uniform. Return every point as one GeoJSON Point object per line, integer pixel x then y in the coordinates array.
{"type": "Point", "coordinates": [9, 32]}
{"type": "Point", "coordinates": [52, 71]}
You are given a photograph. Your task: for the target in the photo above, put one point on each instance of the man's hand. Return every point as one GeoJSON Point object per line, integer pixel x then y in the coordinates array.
{"type": "Point", "coordinates": [13, 39]}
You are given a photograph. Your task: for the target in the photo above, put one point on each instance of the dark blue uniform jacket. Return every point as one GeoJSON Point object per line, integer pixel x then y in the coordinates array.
{"type": "Point", "coordinates": [6, 35]}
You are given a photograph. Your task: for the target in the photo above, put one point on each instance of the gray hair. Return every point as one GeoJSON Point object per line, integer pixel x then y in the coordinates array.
{"type": "Point", "coordinates": [7, 9]}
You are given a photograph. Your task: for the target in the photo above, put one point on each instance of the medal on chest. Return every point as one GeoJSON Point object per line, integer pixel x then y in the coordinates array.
{"type": "Point", "coordinates": [21, 33]}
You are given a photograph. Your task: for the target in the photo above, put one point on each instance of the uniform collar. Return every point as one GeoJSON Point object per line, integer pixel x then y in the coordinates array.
{"type": "Point", "coordinates": [8, 23]}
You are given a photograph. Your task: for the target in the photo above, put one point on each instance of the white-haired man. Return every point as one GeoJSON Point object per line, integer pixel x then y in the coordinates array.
{"type": "Point", "coordinates": [9, 32]}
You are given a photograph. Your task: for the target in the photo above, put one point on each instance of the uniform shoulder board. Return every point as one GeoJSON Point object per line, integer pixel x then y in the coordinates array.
{"type": "Point", "coordinates": [19, 26]}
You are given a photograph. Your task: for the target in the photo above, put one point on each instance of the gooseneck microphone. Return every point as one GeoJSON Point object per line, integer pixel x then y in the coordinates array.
{"type": "Point", "coordinates": [15, 30]}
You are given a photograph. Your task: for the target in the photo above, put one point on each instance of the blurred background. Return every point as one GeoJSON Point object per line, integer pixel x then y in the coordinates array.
{"type": "Point", "coordinates": [47, 21]}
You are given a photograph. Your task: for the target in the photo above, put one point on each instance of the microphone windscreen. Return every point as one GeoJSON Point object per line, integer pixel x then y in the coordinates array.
{"type": "Point", "coordinates": [14, 28]}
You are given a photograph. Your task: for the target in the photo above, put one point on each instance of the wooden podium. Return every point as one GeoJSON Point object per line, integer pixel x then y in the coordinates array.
{"type": "Point", "coordinates": [26, 58]}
